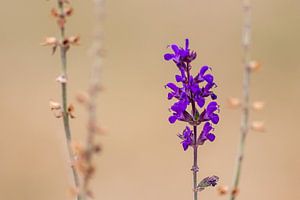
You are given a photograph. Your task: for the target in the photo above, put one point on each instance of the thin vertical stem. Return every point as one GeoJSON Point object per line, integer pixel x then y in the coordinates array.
{"type": "Point", "coordinates": [195, 167]}
{"type": "Point", "coordinates": [93, 91]}
{"type": "Point", "coordinates": [246, 94]}
{"type": "Point", "coordinates": [63, 54]}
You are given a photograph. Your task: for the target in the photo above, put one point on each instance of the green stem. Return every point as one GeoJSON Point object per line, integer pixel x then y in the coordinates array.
{"type": "Point", "coordinates": [63, 54]}
{"type": "Point", "coordinates": [246, 94]}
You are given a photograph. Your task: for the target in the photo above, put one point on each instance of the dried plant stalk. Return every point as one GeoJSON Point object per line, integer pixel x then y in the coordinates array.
{"type": "Point", "coordinates": [244, 129]}
{"type": "Point", "coordinates": [65, 110]}
{"type": "Point", "coordinates": [94, 88]}
{"type": "Point", "coordinates": [63, 55]}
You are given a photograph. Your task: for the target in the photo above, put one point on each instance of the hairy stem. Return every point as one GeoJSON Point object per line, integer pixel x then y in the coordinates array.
{"type": "Point", "coordinates": [246, 94]}
{"type": "Point", "coordinates": [63, 54]}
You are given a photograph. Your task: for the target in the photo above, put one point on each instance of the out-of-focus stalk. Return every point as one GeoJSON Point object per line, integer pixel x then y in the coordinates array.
{"type": "Point", "coordinates": [244, 129]}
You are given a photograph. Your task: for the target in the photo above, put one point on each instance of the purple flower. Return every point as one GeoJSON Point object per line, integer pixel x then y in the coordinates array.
{"type": "Point", "coordinates": [206, 134]}
{"type": "Point", "coordinates": [191, 94]}
{"type": "Point", "coordinates": [181, 56]}
{"type": "Point", "coordinates": [209, 114]}
{"type": "Point", "coordinates": [186, 136]}
{"type": "Point", "coordinates": [181, 116]}
{"type": "Point", "coordinates": [202, 77]}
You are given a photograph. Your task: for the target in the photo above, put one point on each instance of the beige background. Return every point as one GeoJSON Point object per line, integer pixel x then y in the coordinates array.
{"type": "Point", "coordinates": [142, 157]}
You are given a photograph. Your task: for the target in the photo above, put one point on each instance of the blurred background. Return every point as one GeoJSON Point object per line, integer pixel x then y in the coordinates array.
{"type": "Point", "coordinates": [142, 157]}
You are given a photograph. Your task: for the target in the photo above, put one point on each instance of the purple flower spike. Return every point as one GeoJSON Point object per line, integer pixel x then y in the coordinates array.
{"type": "Point", "coordinates": [194, 105]}
{"type": "Point", "coordinates": [192, 93]}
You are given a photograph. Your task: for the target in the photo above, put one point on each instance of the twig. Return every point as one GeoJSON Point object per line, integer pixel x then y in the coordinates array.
{"type": "Point", "coordinates": [94, 87]}
{"type": "Point", "coordinates": [65, 114]}
{"type": "Point", "coordinates": [246, 94]}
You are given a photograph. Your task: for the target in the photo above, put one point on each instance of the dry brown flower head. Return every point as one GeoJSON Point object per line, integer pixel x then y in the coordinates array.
{"type": "Point", "coordinates": [71, 110]}
{"type": "Point", "coordinates": [49, 41]}
{"type": "Point", "coordinates": [61, 79]}
{"type": "Point", "coordinates": [77, 148]}
{"type": "Point", "coordinates": [254, 66]}
{"type": "Point", "coordinates": [74, 40]}
{"type": "Point", "coordinates": [258, 105]}
{"type": "Point", "coordinates": [235, 192]}
{"type": "Point", "coordinates": [223, 190]}
{"type": "Point", "coordinates": [258, 126]}
{"type": "Point", "coordinates": [234, 102]}
{"type": "Point", "coordinates": [68, 11]}
{"type": "Point", "coordinates": [82, 97]}
{"type": "Point", "coordinates": [54, 105]}
{"type": "Point", "coordinates": [56, 108]}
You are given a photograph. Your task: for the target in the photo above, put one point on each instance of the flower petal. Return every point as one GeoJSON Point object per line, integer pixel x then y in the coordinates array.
{"type": "Point", "coordinates": [175, 48]}
{"type": "Point", "coordinates": [211, 137]}
{"type": "Point", "coordinates": [214, 118]}
{"type": "Point", "coordinates": [213, 96]}
{"type": "Point", "coordinates": [185, 145]}
{"type": "Point", "coordinates": [187, 44]}
{"type": "Point", "coordinates": [200, 101]}
{"type": "Point", "coordinates": [203, 70]}
{"type": "Point", "coordinates": [207, 127]}
{"type": "Point", "coordinates": [172, 86]}
{"type": "Point", "coordinates": [172, 119]}
{"type": "Point", "coordinates": [208, 78]}
{"type": "Point", "coordinates": [178, 78]}
{"type": "Point", "coordinates": [212, 107]}
{"type": "Point", "coordinates": [168, 56]}
{"type": "Point", "coordinates": [170, 96]}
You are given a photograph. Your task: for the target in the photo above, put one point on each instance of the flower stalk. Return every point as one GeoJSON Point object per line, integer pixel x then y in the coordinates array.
{"type": "Point", "coordinates": [63, 55]}
{"type": "Point", "coordinates": [91, 147]}
{"type": "Point", "coordinates": [244, 129]}
{"type": "Point", "coordinates": [193, 94]}
{"type": "Point", "coordinates": [65, 110]}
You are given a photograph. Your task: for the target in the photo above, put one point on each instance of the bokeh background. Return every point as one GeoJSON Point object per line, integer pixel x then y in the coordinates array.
{"type": "Point", "coordinates": [142, 157]}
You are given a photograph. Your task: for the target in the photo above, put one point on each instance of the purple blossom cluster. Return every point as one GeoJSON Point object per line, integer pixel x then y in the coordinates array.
{"type": "Point", "coordinates": [192, 93]}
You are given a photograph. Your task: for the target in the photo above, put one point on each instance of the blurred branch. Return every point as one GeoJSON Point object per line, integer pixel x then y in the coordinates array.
{"type": "Point", "coordinates": [94, 88]}
{"type": "Point", "coordinates": [244, 129]}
